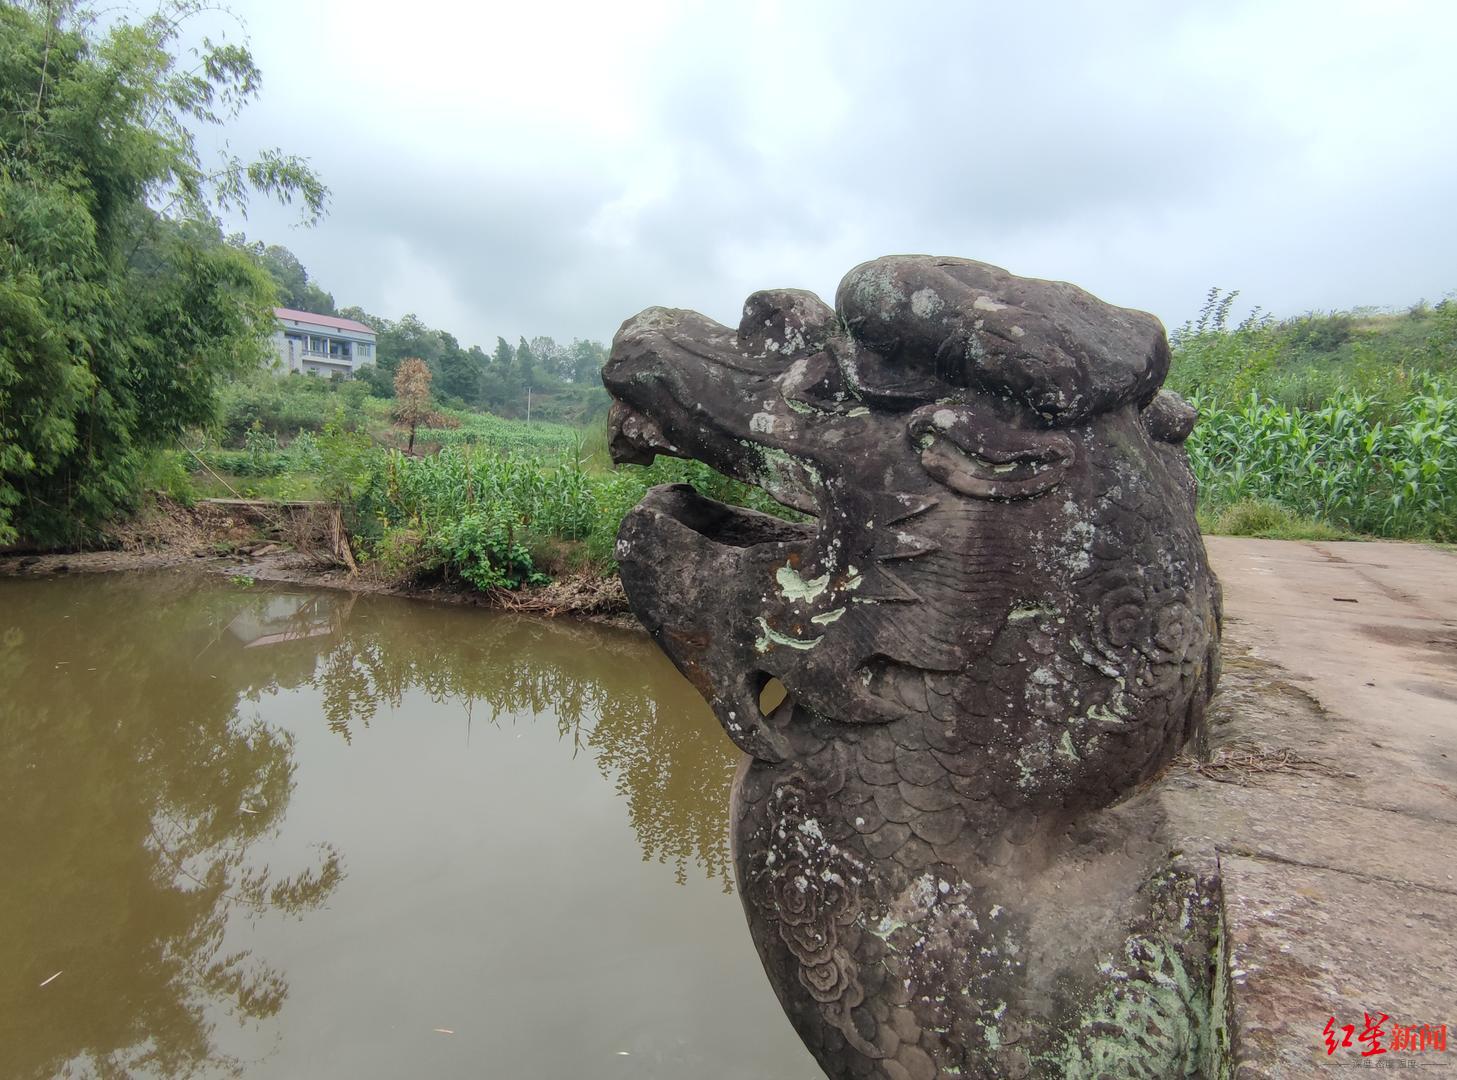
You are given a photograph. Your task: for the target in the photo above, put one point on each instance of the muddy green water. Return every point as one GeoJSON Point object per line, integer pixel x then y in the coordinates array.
{"type": "Point", "coordinates": [307, 834]}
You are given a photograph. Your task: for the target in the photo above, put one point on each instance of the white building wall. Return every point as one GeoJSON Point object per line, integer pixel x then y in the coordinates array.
{"type": "Point", "coordinates": [315, 349]}
{"type": "Point", "coordinates": [288, 358]}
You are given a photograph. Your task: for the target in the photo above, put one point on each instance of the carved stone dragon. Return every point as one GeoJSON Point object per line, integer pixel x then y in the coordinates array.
{"type": "Point", "coordinates": [999, 622]}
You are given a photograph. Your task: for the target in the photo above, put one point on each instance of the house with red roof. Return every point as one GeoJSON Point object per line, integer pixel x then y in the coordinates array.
{"type": "Point", "coordinates": [322, 344]}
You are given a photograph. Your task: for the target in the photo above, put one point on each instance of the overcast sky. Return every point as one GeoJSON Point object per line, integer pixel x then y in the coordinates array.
{"type": "Point", "coordinates": [552, 168]}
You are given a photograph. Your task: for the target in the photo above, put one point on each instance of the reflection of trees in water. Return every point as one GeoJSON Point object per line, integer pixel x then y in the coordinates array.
{"type": "Point", "coordinates": [131, 793]}
{"type": "Point", "coordinates": [609, 691]}
{"type": "Point", "coordinates": [675, 777]}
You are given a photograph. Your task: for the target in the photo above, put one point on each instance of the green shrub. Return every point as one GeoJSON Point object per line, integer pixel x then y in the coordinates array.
{"type": "Point", "coordinates": [284, 405]}
{"type": "Point", "coordinates": [485, 549]}
{"type": "Point", "coordinates": [346, 464]}
{"type": "Point", "coordinates": [399, 554]}
{"type": "Point", "coordinates": [165, 471]}
{"type": "Point", "coordinates": [304, 454]}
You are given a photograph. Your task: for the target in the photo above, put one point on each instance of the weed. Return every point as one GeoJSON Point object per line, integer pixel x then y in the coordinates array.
{"type": "Point", "coordinates": [1263, 518]}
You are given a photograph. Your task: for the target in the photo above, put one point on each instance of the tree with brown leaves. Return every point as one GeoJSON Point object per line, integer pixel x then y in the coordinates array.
{"type": "Point", "coordinates": [412, 395]}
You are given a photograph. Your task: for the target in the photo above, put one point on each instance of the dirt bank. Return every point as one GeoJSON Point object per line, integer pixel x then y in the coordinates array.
{"type": "Point", "coordinates": [298, 544]}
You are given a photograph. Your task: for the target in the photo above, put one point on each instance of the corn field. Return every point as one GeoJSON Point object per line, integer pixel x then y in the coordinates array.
{"type": "Point", "coordinates": [506, 436]}
{"type": "Point", "coordinates": [471, 512]}
{"type": "Point", "coordinates": [477, 513]}
{"type": "Point", "coordinates": [1353, 462]}
{"type": "Point", "coordinates": [493, 500]}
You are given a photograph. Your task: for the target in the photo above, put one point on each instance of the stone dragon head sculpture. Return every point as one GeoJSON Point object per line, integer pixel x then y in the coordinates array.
{"type": "Point", "coordinates": [998, 620]}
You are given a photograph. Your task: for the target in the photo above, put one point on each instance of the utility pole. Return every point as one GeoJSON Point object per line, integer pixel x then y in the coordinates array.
{"type": "Point", "coordinates": [528, 406]}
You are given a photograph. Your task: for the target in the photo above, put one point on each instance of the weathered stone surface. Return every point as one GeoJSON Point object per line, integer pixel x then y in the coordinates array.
{"type": "Point", "coordinates": [1338, 884]}
{"type": "Point", "coordinates": [1306, 945]}
{"type": "Point", "coordinates": [999, 622]}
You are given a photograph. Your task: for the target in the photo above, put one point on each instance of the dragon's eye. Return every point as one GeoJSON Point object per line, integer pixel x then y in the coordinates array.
{"type": "Point", "coordinates": [814, 381]}
{"type": "Point", "coordinates": [981, 457]}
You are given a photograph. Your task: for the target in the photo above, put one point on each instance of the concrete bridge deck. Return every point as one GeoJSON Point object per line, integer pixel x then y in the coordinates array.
{"type": "Point", "coordinates": [1335, 821]}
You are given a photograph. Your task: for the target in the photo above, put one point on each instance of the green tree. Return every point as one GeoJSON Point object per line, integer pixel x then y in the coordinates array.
{"type": "Point", "coordinates": [587, 358]}
{"type": "Point", "coordinates": [525, 362]}
{"type": "Point", "coordinates": [457, 373]}
{"type": "Point", "coordinates": [120, 304]}
{"type": "Point", "coordinates": [504, 357]}
{"type": "Point", "coordinates": [481, 365]}
{"type": "Point", "coordinates": [295, 288]}
{"type": "Point", "coordinates": [407, 336]}
{"type": "Point", "coordinates": [501, 384]}
{"type": "Point", "coordinates": [358, 314]}
{"type": "Point", "coordinates": [552, 360]}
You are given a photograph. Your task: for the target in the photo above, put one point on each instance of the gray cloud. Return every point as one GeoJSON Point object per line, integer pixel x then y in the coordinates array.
{"type": "Point", "coordinates": [508, 173]}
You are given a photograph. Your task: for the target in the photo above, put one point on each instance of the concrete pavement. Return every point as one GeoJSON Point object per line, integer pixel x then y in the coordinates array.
{"type": "Point", "coordinates": [1332, 802]}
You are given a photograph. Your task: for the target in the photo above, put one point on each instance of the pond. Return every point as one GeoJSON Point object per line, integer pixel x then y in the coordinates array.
{"type": "Point", "coordinates": [269, 832]}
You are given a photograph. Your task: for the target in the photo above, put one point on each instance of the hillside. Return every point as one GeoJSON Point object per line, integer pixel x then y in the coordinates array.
{"type": "Point", "coordinates": [1305, 360]}
{"type": "Point", "coordinates": [1326, 424]}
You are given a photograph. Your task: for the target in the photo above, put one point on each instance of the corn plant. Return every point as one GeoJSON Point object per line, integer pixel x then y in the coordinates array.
{"type": "Point", "coordinates": [1340, 463]}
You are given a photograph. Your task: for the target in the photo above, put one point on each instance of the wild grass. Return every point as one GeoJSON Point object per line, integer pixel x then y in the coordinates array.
{"type": "Point", "coordinates": [1269, 520]}
{"type": "Point", "coordinates": [553, 441]}
{"type": "Point", "coordinates": [1303, 362]}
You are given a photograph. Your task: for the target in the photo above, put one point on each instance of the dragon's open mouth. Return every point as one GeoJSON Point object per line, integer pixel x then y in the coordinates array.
{"type": "Point", "coordinates": [705, 577]}
{"type": "Point", "coordinates": [634, 438]}
{"type": "Point", "coordinates": [721, 523]}
{"type": "Point", "coordinates": [689, 564]}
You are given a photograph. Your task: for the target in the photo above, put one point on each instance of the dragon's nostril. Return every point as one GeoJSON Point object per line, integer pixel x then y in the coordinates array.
{"type": "Point", "coordinates": [771, 696]}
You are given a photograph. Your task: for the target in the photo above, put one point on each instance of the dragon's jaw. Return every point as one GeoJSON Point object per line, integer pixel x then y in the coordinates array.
{"type": "Point", "coordinates": [688, 564]}
{"type": "Point", "coordinates": [705, 577]}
